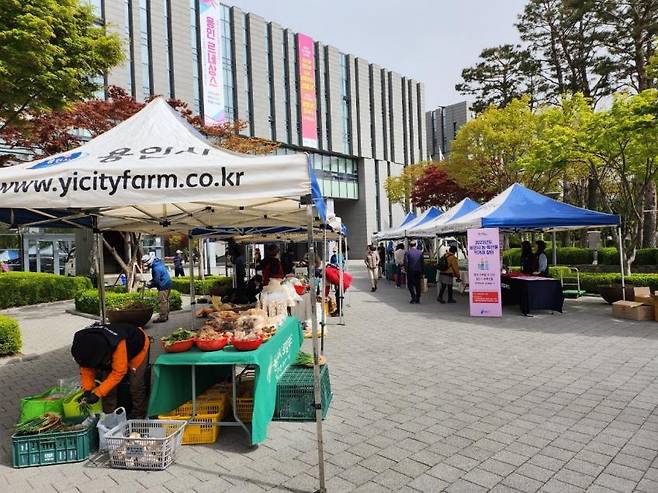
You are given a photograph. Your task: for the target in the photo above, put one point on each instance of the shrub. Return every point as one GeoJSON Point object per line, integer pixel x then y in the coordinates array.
{"type": "Point", "coordinates": [646, 256]}
{"type": "Point", "coordinates": [609, 256]}
{"type": "Point", "coordinates": [512, 256]}
{"type": "Point", "coordinates": [10, 336]}
{"type": "Point", "coordinates": [87, 301]}
{"type": "Point", "coordinates": [201, 286]}
{"type": "Point", "coordinates": [590, 281]}
{"type": "Point", "coordinates": [29, 288]}
{"type": "Point", "coordinates": [572, 256]}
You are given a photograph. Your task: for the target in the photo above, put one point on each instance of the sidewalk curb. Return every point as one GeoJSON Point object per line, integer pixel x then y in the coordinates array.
{"type": "Point", "coordinates": [19, 359]}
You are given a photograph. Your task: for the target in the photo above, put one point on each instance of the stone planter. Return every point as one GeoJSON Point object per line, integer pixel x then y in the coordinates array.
{"type": "Point", "coordinates": [134, 316]}
{"type": "Point", "coordinates": [613, 293]}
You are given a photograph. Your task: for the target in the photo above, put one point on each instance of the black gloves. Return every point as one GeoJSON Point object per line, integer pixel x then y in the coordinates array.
{"type": "Point", "coordinates": [89, 397]}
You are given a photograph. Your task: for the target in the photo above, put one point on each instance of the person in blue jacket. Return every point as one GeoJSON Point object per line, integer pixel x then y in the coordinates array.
{"type": "Point", "coordinates": [161, 280]}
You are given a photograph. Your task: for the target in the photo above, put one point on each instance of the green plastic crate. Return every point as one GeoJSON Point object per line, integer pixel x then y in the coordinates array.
{"type": "Point", "coordinates": [294, 394]}
{"type": "Point", "coordinates": [53, 448]}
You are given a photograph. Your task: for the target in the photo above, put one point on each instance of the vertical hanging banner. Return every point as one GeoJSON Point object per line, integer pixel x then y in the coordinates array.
{"type": "Point", "coordinates": [484, 272]}
{"type": "Point", "coordinates": [308, 103]}
{"type": "Point", "coordinates": [211, 56]}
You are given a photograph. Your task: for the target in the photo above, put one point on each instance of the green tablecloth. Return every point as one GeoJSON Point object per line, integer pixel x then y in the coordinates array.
{"type": "Point", "coordinates": [173, 385]}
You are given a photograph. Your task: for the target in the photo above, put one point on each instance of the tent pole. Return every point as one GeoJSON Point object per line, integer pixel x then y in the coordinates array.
{"type": "Point", "coordinates": [316, 353]}
{"type": "Point", "coordinates": [192, 290]}
{"type": "Point", "coordinates": [323, 318]}
{"type": "Point", "coordinates": [554, 241]}
{"type": "Point", "coordinates": [621, 264]}
{"type": "Point", "coordinates": [100, 271]}
{"type": "Point", "coordinates": [341, 289]}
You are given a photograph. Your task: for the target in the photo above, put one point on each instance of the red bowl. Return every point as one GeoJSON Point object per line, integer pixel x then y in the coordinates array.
{"type": "Point", "coordinates": [247, 344]}
{"type": "Point", "coordinates": [211, 344]}
{"type": "Point", "coordinates": [179, 346]}
{"type": "Point", "coordinates": [301, 289]}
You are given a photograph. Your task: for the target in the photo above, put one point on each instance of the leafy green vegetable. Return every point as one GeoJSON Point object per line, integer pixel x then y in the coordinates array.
{"type": "Point", "coordinates": [178, 335]}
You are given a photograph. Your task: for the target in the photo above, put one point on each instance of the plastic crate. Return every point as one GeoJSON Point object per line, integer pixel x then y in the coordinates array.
{"type": "Point", "coordinates": [294, 394]}
{"type": "Point", "coordinates": [53, 448]}
{"type": "Point", "coordinates": [209, 412]}
{"type": "Point", "coordinates": [245, 408]}
{"type": "Point", "coordinates": [154, 450]}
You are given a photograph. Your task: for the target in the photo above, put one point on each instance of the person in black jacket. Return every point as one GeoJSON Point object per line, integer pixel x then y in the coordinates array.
{"type": "Point", "coordinates": [528, 258]}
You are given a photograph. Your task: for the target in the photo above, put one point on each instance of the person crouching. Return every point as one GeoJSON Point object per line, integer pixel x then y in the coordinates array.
{"type": "Point", "coordinates": [109, 352]}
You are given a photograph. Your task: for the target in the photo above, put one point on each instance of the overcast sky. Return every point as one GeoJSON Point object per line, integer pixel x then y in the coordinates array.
{"type": "Point", "coordinates": [429, 40]}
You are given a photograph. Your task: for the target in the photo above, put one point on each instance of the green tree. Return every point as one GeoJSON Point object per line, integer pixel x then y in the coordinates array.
{"type": "Point", "coordinates": [624, 144]}
{"type": "Point", "coordinates": [488, 153]}
{"type": "Point", "coordinates": [50, 53]}
{"type": "Point", "coordinates": [568, 40]}
{"type": "Point", "coordinates": [399, 188]}
{"type": "Point", "coordinates": [502, 74]}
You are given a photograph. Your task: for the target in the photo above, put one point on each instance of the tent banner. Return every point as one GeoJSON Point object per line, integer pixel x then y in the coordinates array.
{"type": "Point", "coordinates": [484, 272]}
{"type": "Point", "coordinates": [211, 53]}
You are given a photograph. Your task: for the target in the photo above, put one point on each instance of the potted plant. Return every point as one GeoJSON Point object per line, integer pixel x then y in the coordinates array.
{"type": "Point", "coordinates": [613, 293]}
{"type": "Point", "coordinates": [131, 311]}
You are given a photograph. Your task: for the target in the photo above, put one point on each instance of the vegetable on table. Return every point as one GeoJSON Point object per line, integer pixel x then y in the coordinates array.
{"type": "Point", "coordinates": [177, 336]}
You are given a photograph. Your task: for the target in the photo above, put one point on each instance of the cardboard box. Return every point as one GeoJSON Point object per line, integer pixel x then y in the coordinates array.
{"type": "Point", "coordinates": [641, 292]}
{"type": "Point", "coordinates": [632, 310]}
{"type": "Point", "coordinates": [645, 300]}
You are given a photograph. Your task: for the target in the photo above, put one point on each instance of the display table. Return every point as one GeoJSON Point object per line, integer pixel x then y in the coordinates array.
{"type": "Point", "coordinates": [531, 292]}
{"type": "Point", "coordinates": [178, 378]}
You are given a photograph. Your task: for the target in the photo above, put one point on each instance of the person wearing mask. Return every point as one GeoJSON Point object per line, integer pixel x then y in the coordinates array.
{"type": "Point", "coordinates": [107, 353]}
{"type": "Point", "coordinates": [338, 258]}
{"type": "Point", "coordinates": [381, 251]}
{"type": "Point", "coordinates": [372, 265]}
{"type": "Point", "coordinates": [161, 280]}
{"type": "Point", "coordinates": [541, 260]}
{"type": "Point", "coordinates": [527, 258]}
{"type": "Point", "coordinates": [398, 256]}
{"type": "Point", "coordinates": [271, 265]}
{"type": "Point", "coordinates": [449, 270]}
{"type": "Point", "coordinates": [178, 264]}
{"type": "Point", "coordinates": [414, 265]}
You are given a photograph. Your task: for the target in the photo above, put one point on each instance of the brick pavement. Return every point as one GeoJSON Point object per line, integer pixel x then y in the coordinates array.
{"type": "Point", "coordinates": [425, 399]}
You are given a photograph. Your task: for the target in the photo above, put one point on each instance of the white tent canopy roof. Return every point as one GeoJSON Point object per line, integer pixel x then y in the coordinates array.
{"type": "Point", "coordinates": [156, 173]}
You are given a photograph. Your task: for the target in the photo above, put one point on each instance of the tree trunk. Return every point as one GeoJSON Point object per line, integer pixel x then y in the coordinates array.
{"type": "Point", "coordinates": [649, 236]}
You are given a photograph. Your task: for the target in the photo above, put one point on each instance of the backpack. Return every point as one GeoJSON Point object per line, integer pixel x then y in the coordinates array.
{"type": "Point", "coordinates": [442, 264]}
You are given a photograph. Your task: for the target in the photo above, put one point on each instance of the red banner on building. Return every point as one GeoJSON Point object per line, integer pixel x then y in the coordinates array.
{"type": "Point", "coordinates": [308, 103]}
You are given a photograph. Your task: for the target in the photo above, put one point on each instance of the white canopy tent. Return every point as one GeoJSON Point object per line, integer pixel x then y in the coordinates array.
{"type": "Point", "coordinates": [154, 173]}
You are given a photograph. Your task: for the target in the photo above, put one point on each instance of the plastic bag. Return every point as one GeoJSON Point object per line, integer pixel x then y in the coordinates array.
{"type": "Point", "coordinates": [52, 400]}
{"type": "Point", "coordinates": [72, 408]}
{"type": "Point", "coordinates": [107, 422]}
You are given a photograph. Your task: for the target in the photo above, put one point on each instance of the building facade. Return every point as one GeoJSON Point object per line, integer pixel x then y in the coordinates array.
{"type": "Point", "coordinates": [442, 125]}
{"type": "Point", "coordinates": [365, 122]}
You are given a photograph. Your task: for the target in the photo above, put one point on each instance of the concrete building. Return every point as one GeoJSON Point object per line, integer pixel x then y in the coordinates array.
{"type": "Point", "coordinates": [442, 125]}
{"type": "Point", "coordinates": [369, 120]}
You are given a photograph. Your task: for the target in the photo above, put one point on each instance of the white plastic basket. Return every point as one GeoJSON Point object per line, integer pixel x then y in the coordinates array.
{"type": "Point", "coordinates": [148, 444]}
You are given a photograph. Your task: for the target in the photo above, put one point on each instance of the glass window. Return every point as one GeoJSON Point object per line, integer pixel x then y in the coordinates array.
{"type": "Point", "coordinates": [144, 36]}
{"type": "Point", "coordinates": [127, 32]}
{"type": "Point", "coordinates": [167, 47]}
{"type": "Point", "coordinates": [195, 58]}
{"type": "Point", "coordinates": [345, 100]}
{"type": "Point", "coordinates": [227, 63]}
{"type": "Point", "coordinates": [247, 79]}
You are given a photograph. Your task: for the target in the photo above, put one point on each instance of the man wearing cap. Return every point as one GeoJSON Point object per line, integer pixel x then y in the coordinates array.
{"type": "Point", "coordinates": [178, 264]}
{"type": "Point", "coordinates": [161, 280]}
{"type": "Point", "coordinates": [110, 352]}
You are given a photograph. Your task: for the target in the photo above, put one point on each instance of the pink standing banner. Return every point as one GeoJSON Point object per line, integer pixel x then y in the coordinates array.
{"type": "Point", "coordinates": [308, 104]}
{"type": "Point", "coordinates": [484, 272]}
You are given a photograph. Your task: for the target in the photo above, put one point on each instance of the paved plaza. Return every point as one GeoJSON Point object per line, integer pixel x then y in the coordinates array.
{"type": "Point", "coordinates": [425, 399]}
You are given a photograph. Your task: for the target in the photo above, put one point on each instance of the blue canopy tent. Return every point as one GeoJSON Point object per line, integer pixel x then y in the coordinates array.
{"type": "Point", "coordinates": [382, 235]}
{"type": "Point", "coordinates": [521, 209]}
{"type": "Point", "coordinates": [429, 228]}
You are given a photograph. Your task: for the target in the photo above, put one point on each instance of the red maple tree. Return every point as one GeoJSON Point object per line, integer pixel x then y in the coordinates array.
{"type": "Point", "coordinates": [436, 188]}
{"type": "Point", "coordinates": [46, 133]}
